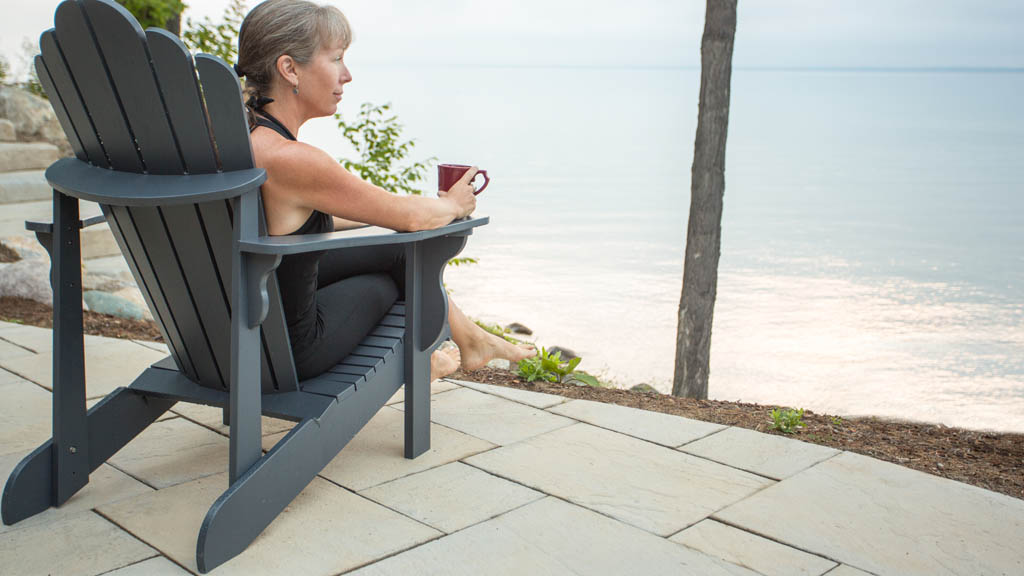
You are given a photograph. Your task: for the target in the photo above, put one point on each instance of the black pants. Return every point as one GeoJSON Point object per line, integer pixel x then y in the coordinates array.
{"type": "Point", "coordinates": [355, 289]}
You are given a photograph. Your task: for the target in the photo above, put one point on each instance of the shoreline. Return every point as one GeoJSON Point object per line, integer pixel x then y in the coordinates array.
{"type": "Point", "coordinates": [986, 459]}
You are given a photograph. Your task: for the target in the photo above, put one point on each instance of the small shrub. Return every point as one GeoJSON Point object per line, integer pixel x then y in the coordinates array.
{"type": "Point", "coordinates": [787, 421]}
{"type": "Point", "coordinates": [551, 367]}
{"type": "Point", "coordinates": [496, 330]}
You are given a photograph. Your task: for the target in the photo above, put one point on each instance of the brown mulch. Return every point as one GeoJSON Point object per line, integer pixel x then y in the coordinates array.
{"type": "Point", "coordinates": [991, 460]}
{"type": "Point", "coordinates": [24, 311]}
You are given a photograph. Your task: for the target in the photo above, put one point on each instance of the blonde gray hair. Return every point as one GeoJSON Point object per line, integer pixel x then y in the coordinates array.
{"type": "Point", "coordinates": [274, 28]}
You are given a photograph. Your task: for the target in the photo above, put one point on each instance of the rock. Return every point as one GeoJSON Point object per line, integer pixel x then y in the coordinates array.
{"type": "Point", "coordinates": [26, 279]}
{"type": "Point", "coordinates": [567, 353]}
{"type": "Point", "coordinates": [645, 389]}
{"type": "Point", "coordinates": [26, 156]}
{"type": "Point", "coordinates": [517, 328]}
{"type": "Point", "coordinates": [7, 132]}
{"type": "Point", "coordinates": [105, 303]}
{"type": "Point", "coordinates": [133, 295]}
{"type": "Point", "coordinates": [500, 364]}
{"type": "Point", "coordinates": [33, 118]}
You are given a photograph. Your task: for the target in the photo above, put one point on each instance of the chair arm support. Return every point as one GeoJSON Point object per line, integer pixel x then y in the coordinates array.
{"type": "Point", "coordinates": [370, 236]}
{"type": "Point", "coordinates": [47, 227]}
{"type": "Point", "coordinates": [84, 181]}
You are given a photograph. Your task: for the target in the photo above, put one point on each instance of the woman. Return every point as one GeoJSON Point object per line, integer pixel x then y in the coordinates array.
{"type": "Point", "coordinates": [291, 53]}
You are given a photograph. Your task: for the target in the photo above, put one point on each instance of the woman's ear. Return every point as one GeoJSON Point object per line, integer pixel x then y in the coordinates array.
{"type": "Point", "coordinates": [287, 69]}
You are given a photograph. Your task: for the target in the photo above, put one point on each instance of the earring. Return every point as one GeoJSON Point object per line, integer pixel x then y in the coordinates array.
{"type": "Point", "coordinates": [295, 89]}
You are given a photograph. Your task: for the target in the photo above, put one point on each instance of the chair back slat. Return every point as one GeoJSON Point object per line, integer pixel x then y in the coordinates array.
{"type": "Point", "coordinates": [76, 42]}
{"type": "Point", "coordinates": [122, 46]}
{"type": "Point", "coordinates": [59, 109]}
{"type": "Point", "coordinates": [127, 237]}
{"type": "Point", "coordinates": [165, 262]}
{"type": "Point", "coordinates": [140, 103]}
{"type": "Point", "coordinates": [177, 76]}
{"type": "Point", "coordinates": [67, 95]}
{"type": "Point", "coordinates": [223, 96]}
{"type": "Point", "coordinates": [201, 278]}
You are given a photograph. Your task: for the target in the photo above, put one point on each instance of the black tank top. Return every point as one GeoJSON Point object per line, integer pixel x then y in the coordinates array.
{"type": "Point", "coordinates": [297, 274]}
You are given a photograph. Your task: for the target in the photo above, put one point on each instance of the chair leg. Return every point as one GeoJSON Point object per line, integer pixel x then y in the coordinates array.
{"type": "Point", "coordinates": [111, 424]}
{"type": "Point", "coordinates": [426, 320]}
{"type": "Point", "coordinates": [252, 502]}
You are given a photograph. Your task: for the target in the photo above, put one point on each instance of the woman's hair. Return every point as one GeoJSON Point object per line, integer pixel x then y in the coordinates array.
{"type": "Point", "coordinates": [277, 27]}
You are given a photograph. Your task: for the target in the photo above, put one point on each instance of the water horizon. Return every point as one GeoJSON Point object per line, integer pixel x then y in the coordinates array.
{"type": "Point", "coordinates": [872, 232]}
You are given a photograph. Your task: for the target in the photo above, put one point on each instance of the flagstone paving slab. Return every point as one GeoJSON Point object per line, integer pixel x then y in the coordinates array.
{"type": "Point", "coordinates": [38, 339]}
{"type": "Point", "coordinates": [9, 350]}
{"type": "Point", "coordinates": [108, 365]}
{"type": "Point", "coordinates": [887, 519]}
{"type": "Point", "coordinates": [550, 537]}
{"type": "Point", "coordinates": [844, 570]}
{"type": "Point", "coordinates": [172, 452]}
{"type": "Point", "coordinates": [81, 544]}
{"type": "Point", "coordinates": [158, 566]}
{"type": "Point", "coordinates": [745, 549]}
{"type": "Point", "coordinates": [377, 453]}
{"type": "Point", "coordinates": [213, 417]}
{"type": "Point", "coordinates": [451, 497]}
{"type": "Point", "coordinates": [324, 531]}
{"type": "Point", "coordinates": [106, 484]}
{"type": "Point", "coordinates": [494, 419]}
{"type": "Point", "coordinates": [664, 429]}
{"type": "Point", "coordinates": [436, 387]}
{"type": "Point", "coordinates": [26, 413]}
{"type": "Point", "coordinates": [773, 456]}
{"type": "Point", "coordinates": [535, 399]}
{"type": "Point", "coordinates": [658, 489]}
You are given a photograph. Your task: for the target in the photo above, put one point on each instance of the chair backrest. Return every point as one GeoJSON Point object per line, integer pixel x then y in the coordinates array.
{"type": "Point", "coordinates": [131, 101]}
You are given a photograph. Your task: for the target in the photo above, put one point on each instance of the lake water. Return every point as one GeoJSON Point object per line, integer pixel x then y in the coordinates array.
{"type": "Point", "coordinates": [872, 238]}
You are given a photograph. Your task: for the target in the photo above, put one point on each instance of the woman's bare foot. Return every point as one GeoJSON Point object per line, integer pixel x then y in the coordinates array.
{"type": "Point", "coordinates": [444, 362]}
{"type": "Point", "coordinates": [488, 347]}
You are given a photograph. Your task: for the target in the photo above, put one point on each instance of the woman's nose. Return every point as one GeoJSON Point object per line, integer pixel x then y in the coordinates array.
{"type": "Point", "coordinates": [346, 76]}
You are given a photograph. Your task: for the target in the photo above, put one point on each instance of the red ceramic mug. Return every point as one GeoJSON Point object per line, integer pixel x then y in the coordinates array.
{"type": "Point", "coordinates": [449, 174]}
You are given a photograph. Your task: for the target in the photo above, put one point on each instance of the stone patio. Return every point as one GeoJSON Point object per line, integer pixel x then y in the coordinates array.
{"type": "Point", "coordinates": [515, 483]}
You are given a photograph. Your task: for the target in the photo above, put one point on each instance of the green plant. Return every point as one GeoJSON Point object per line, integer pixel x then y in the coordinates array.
{"type": "Point", "coordinates": [494, 328]}
{"type": "Point", "coordinates": [550, 367]}
{"type": "Point", "coordinates": [462, 260]}
{"type": "Point", "coordinates": [5, 69]}
{"type": "Point", "coordinates": [787, 421]}
{"type": "Point", "coordinates": [376, 136]}
{"type": "Point", "coordinates": [153, 12]}
{"type": "Point", "coordinates": [217, 39]}
{"type": "Point", "coordinates": [837, 420]}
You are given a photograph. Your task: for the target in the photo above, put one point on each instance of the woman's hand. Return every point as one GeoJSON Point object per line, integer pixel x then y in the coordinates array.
{"type": "Point", "coordinates": [462, 194]}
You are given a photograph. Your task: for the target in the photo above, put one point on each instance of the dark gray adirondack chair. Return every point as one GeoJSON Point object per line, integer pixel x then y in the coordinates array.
{"type": "Point", "coordinates": [167, 156]}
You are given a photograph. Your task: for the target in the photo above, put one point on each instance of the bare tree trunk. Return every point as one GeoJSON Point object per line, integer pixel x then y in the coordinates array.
{"type": "Point", "coordinates": [174, 24]}
{"type": "Point", "coordinates": [707, 187]}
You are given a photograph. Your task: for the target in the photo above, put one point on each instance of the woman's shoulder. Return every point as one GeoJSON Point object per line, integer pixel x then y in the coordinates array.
{"type": "Point", "coordinates": [274, 153]}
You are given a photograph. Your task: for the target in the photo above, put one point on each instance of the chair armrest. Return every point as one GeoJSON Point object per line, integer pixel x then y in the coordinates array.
{"type": "Point", "coordinates": [369, 236]}
{"type": "Point", "coordinates": [47, 227]}
{"type": "Point", "coordinates": [84, 181]}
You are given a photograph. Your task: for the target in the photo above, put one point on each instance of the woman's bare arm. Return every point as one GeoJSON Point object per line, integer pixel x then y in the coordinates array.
{"type": "Point", "coordinates": [304, 176]}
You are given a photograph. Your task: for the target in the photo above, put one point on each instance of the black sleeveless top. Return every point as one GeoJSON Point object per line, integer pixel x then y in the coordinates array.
{"type": "Point", "coordinates": [297, 274]}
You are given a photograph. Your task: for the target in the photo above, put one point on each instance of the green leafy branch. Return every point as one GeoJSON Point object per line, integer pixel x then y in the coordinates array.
{"type": "Point", "coordinates": [376, 136]}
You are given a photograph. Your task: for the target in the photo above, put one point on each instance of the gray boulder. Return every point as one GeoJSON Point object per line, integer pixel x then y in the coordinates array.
{"type": "Point", "coordinates": [567, 353]}
{"type": "Point", "coordinates": [33, 118]}
{"type": "Point", "coordinates": [105, 303]}
{"type": "Point", "coordinates": [645, 389]}
{"type": "Point", "coordinates": [26, 279]}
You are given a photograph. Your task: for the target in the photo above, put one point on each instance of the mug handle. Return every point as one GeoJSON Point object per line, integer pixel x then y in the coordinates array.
{"type": "Point", "coordinates": [486, 181]}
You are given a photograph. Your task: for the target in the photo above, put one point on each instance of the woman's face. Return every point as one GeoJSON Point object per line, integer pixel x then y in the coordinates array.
{"type": "Point", "coordinates": [323, 79]}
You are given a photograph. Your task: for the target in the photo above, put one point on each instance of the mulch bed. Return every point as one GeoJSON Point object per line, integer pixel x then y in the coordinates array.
{"type": "Point", "coordinates": [991, 460]}
{"type": "Point", "coordinates": [24, 311]}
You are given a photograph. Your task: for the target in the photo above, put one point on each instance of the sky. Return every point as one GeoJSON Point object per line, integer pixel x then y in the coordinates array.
{"type": "Point", "coordinates": [651, 33]}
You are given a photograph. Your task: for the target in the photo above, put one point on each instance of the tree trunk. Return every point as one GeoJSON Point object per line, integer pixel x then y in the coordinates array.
{"type": "Point", "coordinates": [174, 24]}
{"type": "Point", "coordinates": [707, 187]}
